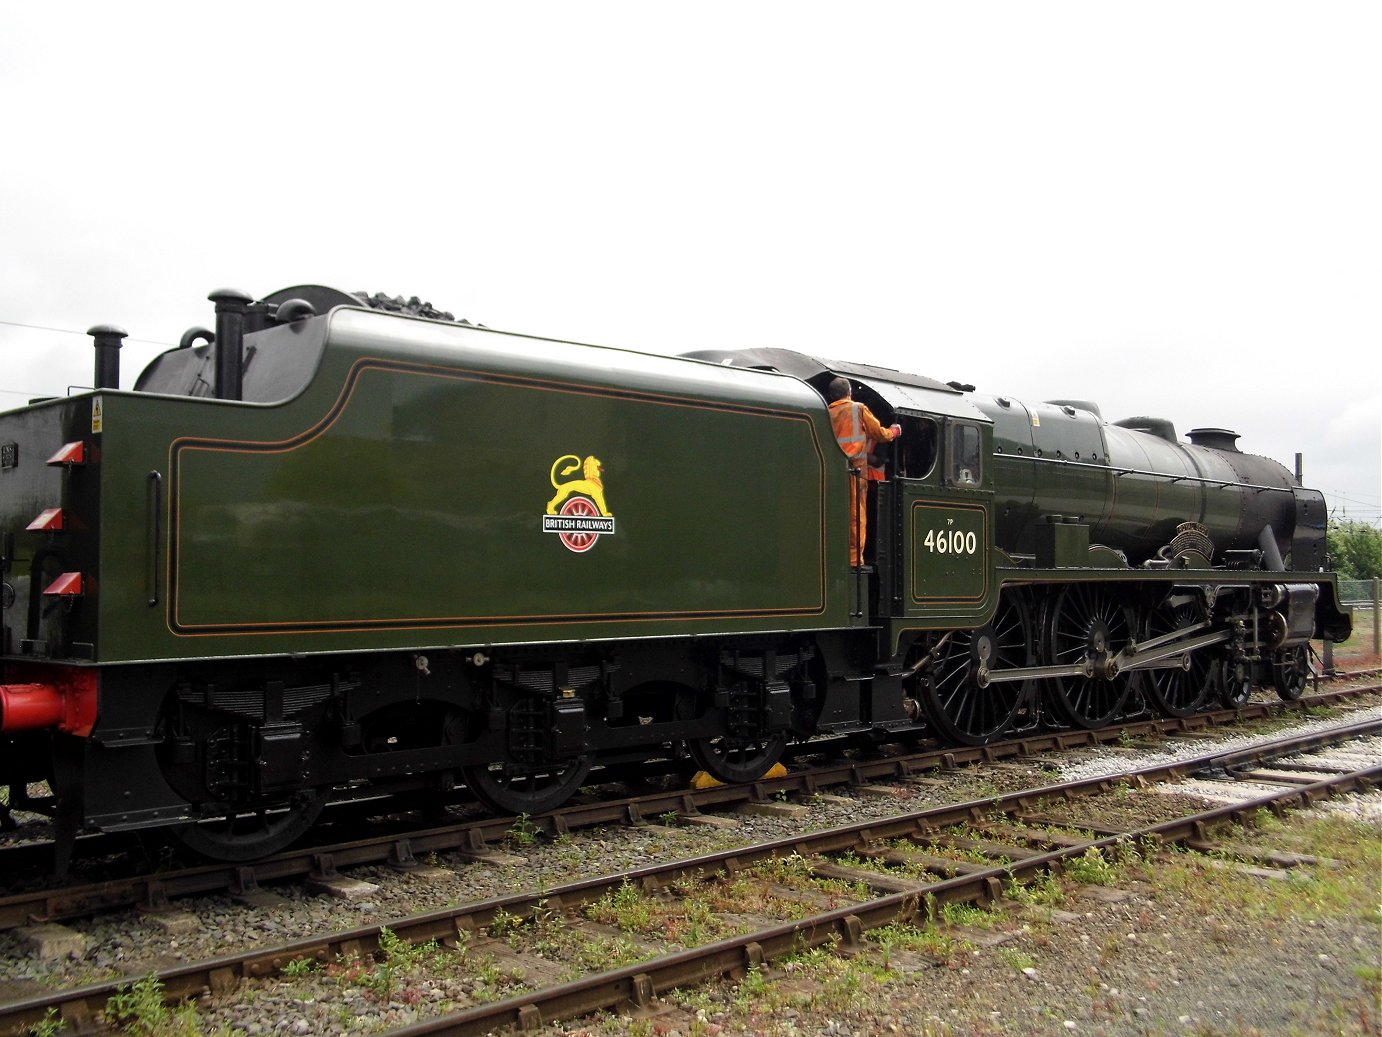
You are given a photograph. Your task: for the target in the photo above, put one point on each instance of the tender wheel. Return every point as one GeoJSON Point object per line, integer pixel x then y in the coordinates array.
{"type": "Point", "coordinates": [510, 789]}
{"type": "Point", "coordinates": [1177, 692]}
{"type": "Point", "coordinates": [246, 835]}
{"type": "Point", "coordinates": [1291, 672]}
{"type": "Point", "coordinates": [520, 786]}
{"type": "Point", "coordinates": [956, 706]}
{"type": "Point", "coordinates": [735, 760]}
{"type": "Point", "coordinates": [1086, 623]}
{"type": "Point", "coordinates": [728, 758]}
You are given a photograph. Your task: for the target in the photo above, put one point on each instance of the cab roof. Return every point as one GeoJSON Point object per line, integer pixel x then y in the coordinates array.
{"type": "Point", "coordinates": [902, 391]}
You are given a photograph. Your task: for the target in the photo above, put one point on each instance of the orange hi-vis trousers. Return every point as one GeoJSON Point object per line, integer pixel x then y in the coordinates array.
{"type": "Point", "coordinates": [858, 515]}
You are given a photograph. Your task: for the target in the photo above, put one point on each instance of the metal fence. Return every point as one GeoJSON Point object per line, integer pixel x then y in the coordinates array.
{"type": "Point", "coordinates": [1363, 595]}
{"type": "Point", "coordinates": [1358, 592]}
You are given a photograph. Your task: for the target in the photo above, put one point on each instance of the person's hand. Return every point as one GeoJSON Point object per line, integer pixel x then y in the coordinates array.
{"type": "Point", "coordinates": [896, 430]}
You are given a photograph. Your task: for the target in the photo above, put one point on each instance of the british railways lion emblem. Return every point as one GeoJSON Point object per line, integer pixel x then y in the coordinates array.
{"type": "Point", "coordinates": [577, 512]}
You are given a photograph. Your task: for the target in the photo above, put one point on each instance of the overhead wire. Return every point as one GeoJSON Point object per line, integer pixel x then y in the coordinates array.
{"type": "Point", "coordinates": [35, 394]}
{"type": "Point", "coordinates": [71, 331]}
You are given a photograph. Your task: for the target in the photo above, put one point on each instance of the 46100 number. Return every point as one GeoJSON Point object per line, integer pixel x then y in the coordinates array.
{"type": "Point", "coordinates": [951, 541]}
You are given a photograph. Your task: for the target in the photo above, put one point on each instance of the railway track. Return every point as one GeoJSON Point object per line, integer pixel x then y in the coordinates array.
{"type": "Point", "coordinates": [784, 896]}
{"type": "Point", "coordinates": [402, 846]}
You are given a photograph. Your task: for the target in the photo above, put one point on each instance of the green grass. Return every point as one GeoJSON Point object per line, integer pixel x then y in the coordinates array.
{"type": "Point", "coordinates": [1092, 869]}
{"type": "Point", "coordinates": [139, 1009]}
{"type": "Point", "coordinates": [1308, 893]}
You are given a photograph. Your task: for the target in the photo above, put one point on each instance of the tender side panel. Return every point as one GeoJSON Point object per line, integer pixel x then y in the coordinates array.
{"type": "Point", "coordinates": [413, 510]}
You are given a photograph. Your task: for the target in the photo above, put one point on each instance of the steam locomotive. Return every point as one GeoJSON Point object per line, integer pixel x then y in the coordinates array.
{"type": "Point", "coordinates": [340, 544]}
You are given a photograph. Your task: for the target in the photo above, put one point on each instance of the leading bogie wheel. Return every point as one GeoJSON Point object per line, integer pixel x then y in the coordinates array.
{"type": "Point", "coordinates": [1291, 672]}
{"type": "Point", "coordinates": [1235, 683]}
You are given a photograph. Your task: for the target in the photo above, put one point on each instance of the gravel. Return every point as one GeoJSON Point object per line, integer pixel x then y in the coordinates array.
{"type": "Point", "coordinates": [1102, 761]}
{"type": "Point", "coordinates": [1146, 965]}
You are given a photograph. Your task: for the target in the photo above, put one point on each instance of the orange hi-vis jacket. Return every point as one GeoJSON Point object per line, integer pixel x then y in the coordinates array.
{"type": "Point", "coordinates": [856, 428]}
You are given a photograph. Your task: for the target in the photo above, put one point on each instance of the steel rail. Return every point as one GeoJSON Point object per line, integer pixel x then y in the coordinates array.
{"type": "Point", "coordinates": [477, 836]}
{"type": "Point", "coordinates": [638, 984]}
{"type": "Point", "coordinates": [78, 1007]}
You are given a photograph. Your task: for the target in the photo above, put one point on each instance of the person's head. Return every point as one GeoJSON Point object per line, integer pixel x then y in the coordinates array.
{"type": "Point", "coordinates": [838, 389]}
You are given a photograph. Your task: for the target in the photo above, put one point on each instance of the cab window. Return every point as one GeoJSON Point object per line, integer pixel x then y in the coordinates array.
{"type": "Point", "coordinates": [965, 468]}
{"type": "Point", "coordinates": [918, 447]}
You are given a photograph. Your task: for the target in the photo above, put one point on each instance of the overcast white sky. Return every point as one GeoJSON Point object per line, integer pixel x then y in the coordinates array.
{"type": "Point", "coordinates": [1169, 208]}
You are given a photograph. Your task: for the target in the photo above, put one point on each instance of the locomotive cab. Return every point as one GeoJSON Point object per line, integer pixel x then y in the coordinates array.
{"type": "Point", "coordinates": [931, 530]}
{"type": "Point", "coordinates": [934, 549]}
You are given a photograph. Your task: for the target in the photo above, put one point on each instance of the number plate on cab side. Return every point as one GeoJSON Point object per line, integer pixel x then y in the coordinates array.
{"type": "Point", "coordinates": [949, 553]}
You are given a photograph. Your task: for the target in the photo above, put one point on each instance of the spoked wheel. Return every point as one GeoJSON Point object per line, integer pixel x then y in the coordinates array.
{"type": "Point", "coordinates": [1291, 672]}
{"type": "Point", "coordinates": [1178, 692]}
{"type": "Point", "coordinates": [248, 834]}
{"type": "Point", "coordinates": [957, 707]}
{"type": "Point", "coordinates": [1235, 686]}
{"type": "Point", "coordinates": [1085, 622]}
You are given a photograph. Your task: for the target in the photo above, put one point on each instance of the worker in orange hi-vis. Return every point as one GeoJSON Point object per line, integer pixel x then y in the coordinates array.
{"type": "Point", "coordinates": [857, 430]}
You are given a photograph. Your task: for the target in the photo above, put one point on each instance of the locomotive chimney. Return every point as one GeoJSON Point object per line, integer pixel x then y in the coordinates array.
{"type": "Point", "coordinates": [231, 305]}
{"type": "Point", "coordinates": [107, 342]}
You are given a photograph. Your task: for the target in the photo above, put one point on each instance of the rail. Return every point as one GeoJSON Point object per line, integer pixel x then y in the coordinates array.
{"type": "Point", "coordinates": [893, 900]}
{"type": "Point", "coordinates": [478, 837]}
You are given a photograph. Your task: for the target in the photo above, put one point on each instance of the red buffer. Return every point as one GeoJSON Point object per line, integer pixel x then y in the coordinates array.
{"type": "Point", "coordinates": [67, 703]}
